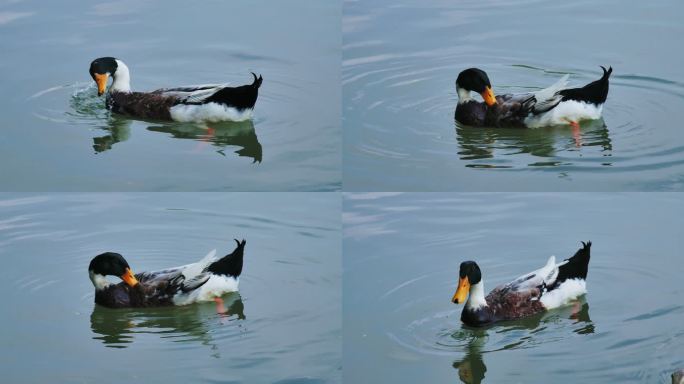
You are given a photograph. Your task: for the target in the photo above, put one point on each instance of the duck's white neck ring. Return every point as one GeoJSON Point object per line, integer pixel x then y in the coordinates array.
{"type": "Point", "coordinates": [463, 95]}
{"type": "Point", "coordinates": [99, 281]}
{"type": "Point", "coordinates": [121, 78]}
{"type": "Point", "coordinates": [476, 299]}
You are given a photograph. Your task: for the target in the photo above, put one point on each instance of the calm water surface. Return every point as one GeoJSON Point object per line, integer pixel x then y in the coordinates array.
{"type": "Point", "coordinates": [58, 136]}
{"type": "Point", "coordinates": [401, 62]}
{"type": "Point", "coordinates": [284, 326]}
{"type": "Point", "coordinates": [401, 260]}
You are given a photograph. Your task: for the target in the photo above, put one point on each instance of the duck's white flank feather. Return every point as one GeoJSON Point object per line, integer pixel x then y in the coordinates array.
{"type": "Point", "coordinates": [564, 113]}
{"type": "Point", "coordinates": [568, 290]}
{"type": "Point", "coordinates": [208, 112]}
{"type": "Point", "coordinates": [215, 287]}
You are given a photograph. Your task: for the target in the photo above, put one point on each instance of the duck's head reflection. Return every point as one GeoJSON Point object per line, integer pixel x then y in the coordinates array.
{"type": "Point", "coordinates": [220, 135]}
{"type": "Point", "coordinates": [118, 128]}
{"type": "Point", "coordinates": [479, 144]}
{"type": "Point", "coordinates": [117, 328]}
{"type": "Point", "coordinates": [472, 368]}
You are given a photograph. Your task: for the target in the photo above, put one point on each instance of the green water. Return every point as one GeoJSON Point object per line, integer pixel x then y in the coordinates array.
{"type": "Point", "coordinates": [401, 260]}
{"type": "Point", "coordinates": [57, 136]}
{"type": "Point", "coordinates": [53, 332]}
{"type": "Point", "coordinates": [400, 64]}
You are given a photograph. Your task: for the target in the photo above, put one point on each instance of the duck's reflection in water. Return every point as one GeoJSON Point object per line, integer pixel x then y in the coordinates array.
{"type": "Point", "coordinates": [117, 328]}
{"type": "Point", "coordinates": [227, 133]}
{"type": "Point", "coordinates": [119, 129]}
{"type": "Point", "coordinates": [222, 134]}
{"type": "Point", "coordinates": [479, 144]}
{"type": "Point", "coordinates": [472, 368]}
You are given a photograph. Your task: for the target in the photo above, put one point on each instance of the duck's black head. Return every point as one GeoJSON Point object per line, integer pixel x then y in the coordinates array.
{"type": "Point", "coordinates": [476, 80]}
{"type": "Point", "coordinates": [110, 264]}
{"type": "Point", "coordinates": [469, 274]}
{"type": "Point", "coordinates": [100, 70]}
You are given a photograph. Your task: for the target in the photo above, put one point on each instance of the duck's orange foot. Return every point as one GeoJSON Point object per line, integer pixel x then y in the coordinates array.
{"type": "Point", "coordinates": [576, 134]}
{"type": "Point", "coordinates": [220, 308]}
{"type": "Point", "coordinates": [576, 308]}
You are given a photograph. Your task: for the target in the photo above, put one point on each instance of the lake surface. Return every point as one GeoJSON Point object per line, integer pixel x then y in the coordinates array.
{"type": "Point", "coordinates": [400, 269]}
{"type": "Point", "coordinates": [283, 327]}
{"type": "Point", "coordinates": [400, 63]}
{"type": "Point", "coordinates": [57, 136]}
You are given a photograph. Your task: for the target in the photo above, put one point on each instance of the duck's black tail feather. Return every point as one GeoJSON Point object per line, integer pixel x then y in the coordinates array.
{"type": "Point", "coordinates": [577, 266]}
{"type": "Point", "coordinates": [595, 92]}
{"type": "Point", "coordinates": [240, 98]}
{"type": "Point", "coordinates": [257, 81]}
{"type": "Point", "coordinates": [229, 265]}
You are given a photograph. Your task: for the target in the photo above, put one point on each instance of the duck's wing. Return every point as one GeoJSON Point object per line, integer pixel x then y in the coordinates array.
{"type": "Point", "coordinates": [168, 282]}
{"type": "Point", "coordinates": [513, 109]}
{"type": "Point", "coordinates": [549, 98]}
{"type": "Point", "coordinates": [242, 97]}
{"type": "Point", "coordinates": [195, 94]}
{"type": "Point", "coordinates": [536, 280]}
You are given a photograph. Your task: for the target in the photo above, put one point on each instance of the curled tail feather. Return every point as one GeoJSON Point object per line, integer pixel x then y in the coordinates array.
{"type": "Point", "coordinates": [229, 265]}
{"type": "Point", "coordinates": [257, 80]}
{"type": "Point", "coordinates": [577, 266]}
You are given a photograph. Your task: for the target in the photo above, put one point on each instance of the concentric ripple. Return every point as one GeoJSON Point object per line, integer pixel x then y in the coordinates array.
{"type": "Point", "coordinates": [400, 98]}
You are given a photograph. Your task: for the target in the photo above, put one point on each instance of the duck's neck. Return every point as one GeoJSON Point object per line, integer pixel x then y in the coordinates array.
{"type": "Point", "coordinates": [121, 79]}
{"type": "Point", "coordinates": [463, 95]}
{"type": "Point", "coordinates": [100, 282]}
{"type": "Point", "coordinates": [476, 299]}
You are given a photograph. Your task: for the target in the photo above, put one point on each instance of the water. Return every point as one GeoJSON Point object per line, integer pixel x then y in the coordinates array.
{"type": "Point", "coordinates": [400, 63]}
{"type": "Point", "coordinates": [57, 136]}
{"type": "Point", "coordinates": [401, 260]}
{"type": "Point", "coordinates": [53, 332]}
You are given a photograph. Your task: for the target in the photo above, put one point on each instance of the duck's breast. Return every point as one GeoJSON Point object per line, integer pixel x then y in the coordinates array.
{"type": "Point", "coordinates": [471, 113]}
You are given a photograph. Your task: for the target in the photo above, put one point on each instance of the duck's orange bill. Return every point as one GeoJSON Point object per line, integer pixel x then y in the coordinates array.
{"type": "Point", "coordinates": [129, 278]}
{"type": "Point", "coordinates": [101, 80]}
{"type": "Point", "coordinates": [462, 290]}
{"type": "Point", "coordinates": [488, 96]}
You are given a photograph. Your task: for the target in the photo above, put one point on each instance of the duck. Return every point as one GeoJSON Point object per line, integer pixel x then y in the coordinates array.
{"type": "Point", "coordinates": [552, 286]}
{"type": "Point", "coordinates": [555, 105]}
{"type": "Point", "coordinates": [205, 280]}
{"type": "Point", "coordinates": [213, 102]}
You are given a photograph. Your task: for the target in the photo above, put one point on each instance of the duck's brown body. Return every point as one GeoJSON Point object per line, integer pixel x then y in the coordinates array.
{"type": "Point", "coordinates": [144, 105]}
{"type": "Point", "coordinates": [151, 291]}
{"type": "Point", "coordinates": [509, 111]}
